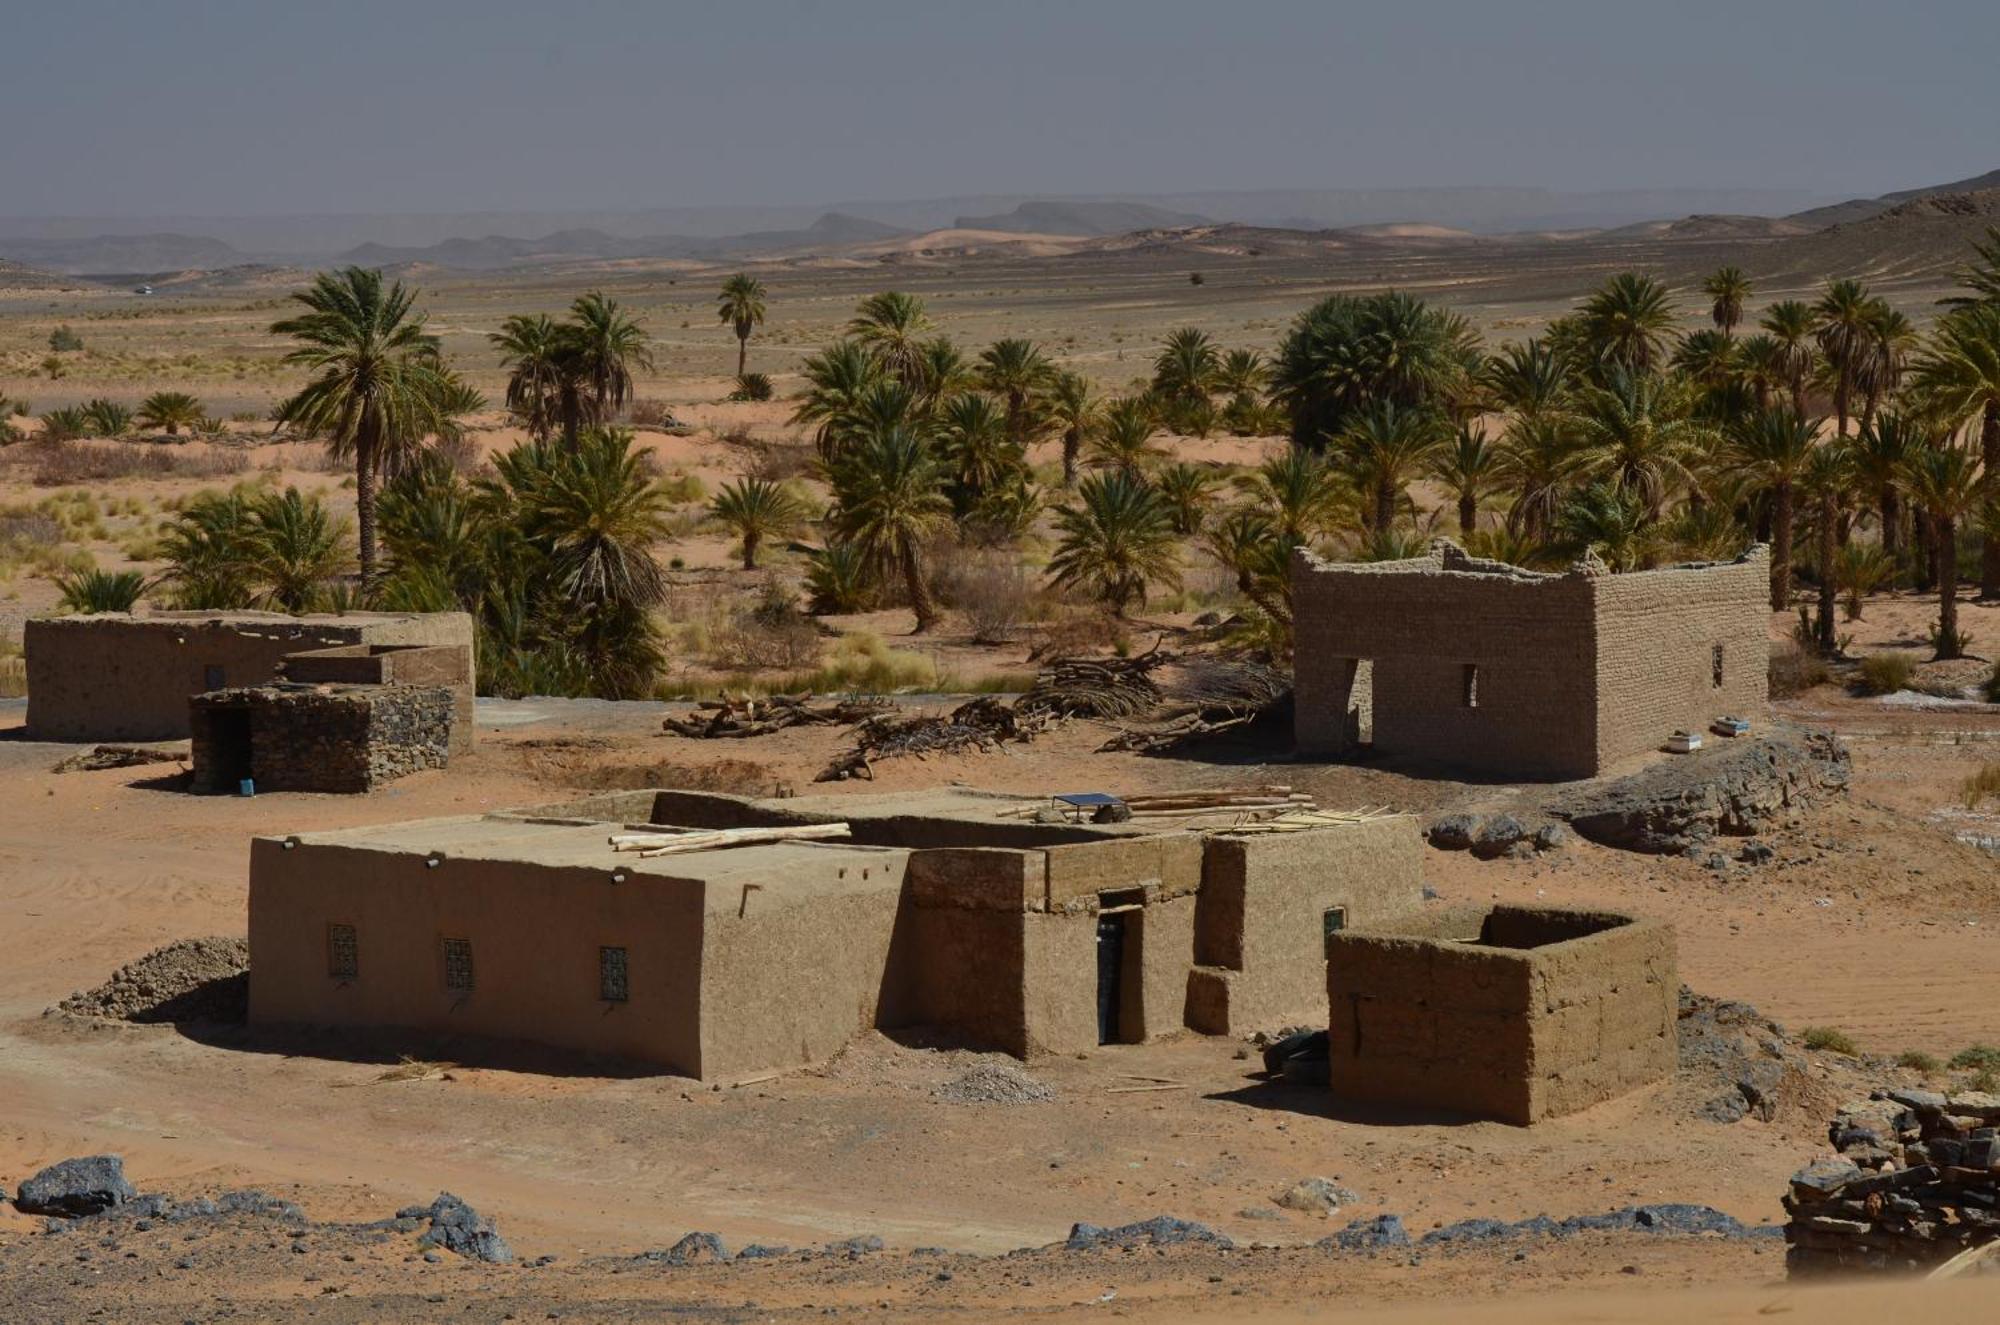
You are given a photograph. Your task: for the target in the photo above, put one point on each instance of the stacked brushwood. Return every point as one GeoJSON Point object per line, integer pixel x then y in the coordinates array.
{"type": "Point", "coordinates": [716, 719]}
{"type": "Point", "coordinates": [1915, 1186]}
{"type": "Point", "coordinates": [1095, 687]}
{"type": "Point", "coordinates": [980, 724]}
{"type": "Point", "coordinates": [1203, 696]}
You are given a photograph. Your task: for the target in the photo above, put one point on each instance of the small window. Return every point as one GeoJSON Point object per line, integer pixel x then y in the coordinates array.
{"type": "Point", "coordinates": [458, 964]}
{"type": "Point", "coordinates": [343, 953]}
{"type": "Point", "coordinates": [1469, 683]}
{"type": "Point", "coordinates": [212, 677]}
{"type": "Point", "coordinates": [1715, 667]}
{"type": "Point", "coordinates": [1331, 922]}
{"type": "Point", "coordinates": [613, 983]}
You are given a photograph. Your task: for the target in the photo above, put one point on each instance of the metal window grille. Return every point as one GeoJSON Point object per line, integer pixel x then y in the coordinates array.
{"type": "Point", "coordinates": [1715, 667]}
{"type": "Point", "coordinates": [613, 976]}
{"type": "Point", "coordinates": [343, 952]}
{"type": "Point", "coordinates": [458, 963]}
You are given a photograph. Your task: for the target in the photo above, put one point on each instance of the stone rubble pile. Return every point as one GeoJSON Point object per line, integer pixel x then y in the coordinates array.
{"type": "Point", "coordinates": [1915, 1183]}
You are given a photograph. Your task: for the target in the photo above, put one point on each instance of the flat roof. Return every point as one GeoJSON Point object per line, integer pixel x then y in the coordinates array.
{"type": "Point", "coordinates": [239, 617]}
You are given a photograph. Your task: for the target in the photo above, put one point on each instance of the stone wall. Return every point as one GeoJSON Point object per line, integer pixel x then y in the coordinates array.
{"type": "Point", "coordinates": [1514, 1013]}
{"type": "Point", "coordinates": [1478, 665]}
{"type": "Point", "coordinates": [117, 676]}
{"type": "Point", "coordinates": [447, 665]}
{"type": "Point", "coordinates": [317, 738]}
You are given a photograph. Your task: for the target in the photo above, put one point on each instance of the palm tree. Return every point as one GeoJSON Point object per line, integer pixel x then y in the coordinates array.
{"type": "Point", "coordinates": [1116, 540]}
{"type": "Point", "coordinates": [1827, 475]}
{"type": "Point", "coordinates": [531, 350]}
{"type": "Point", "coordinates": [1708, 357]}
{"type": "Point", "coordinates": [1958, 379]}
{"type": "Point", "coordinates": [1188, 367]}
{"type": "Point", "coordinates": [891, 324]}
{"type": "Point", "coordinates": [1538, 456]}
{"type": "Point", "coordinates": [599, 515]}
{"type": "Point", "coordinates": [1299, 495]}
{"type": "Point", "coordinates": [1249, 546]}
{"type": "Point", "coordinates": [1608, 521]}
{"type": "Point", "coordinates": [169, 412]}
{"type": "Point", "coordinates": [1123, 440]}
{"type": "Point", "coordinates": [1841, 321]}
{"type": "Point", "coordinates": [95, 590]}
{"type": "Point", "coordinates": [741, 304]}
{"type": "Point", "coordinates": [1018, 372]}
{"type": "Point", "coordinates": [1074, 409]}
{"type": "Point", "coordinates": [1346, 354]}
{"type": "Point", "coordinates": [755, 509]}
{"type": "Point", "coordinates": [1529, 380]}
{"type": "Point", "coordinates": [1185, 491]}
{"type": "Point", "coordinates": [298, 547]}
{"type": "Point", "coordinates": [978, 456]}
{"type": "Point", "coordinates": [377, 379]}
{"type": "Point", "coordinates": [1639, 431]}
{"type": "Point", "coordinates": [1761, 366]}
{"type": "Point", "coordinates": [1383, 449]}
{"type": "Point", "coordinates": [1727, 289]}
{"type": "Point", "coordinates": [1468, 468]}
{"type": "Point", "coordinates": [1880, 452]}
{"type": "Point", "coordinates": [945, 371]}
{"type": "Point", "coordinates": [1625, 322]}
{"type": "Point", "coordinates": [1945, 480]}
{"type": "Point", "coordinates": [1884, 357]}
{"type": "Point", "coordinates": [1789, 322]}
{"type": "Point", "coordinates": [837, 379]}
{"type": "Point", "coordinates": [1242, 374]}
{"type": "Point", "coordinates": [890, 501]}
{"type": "Point", "coordinates": [1771, 451]}
{"type": "Point", "coordinates": [601, 348]}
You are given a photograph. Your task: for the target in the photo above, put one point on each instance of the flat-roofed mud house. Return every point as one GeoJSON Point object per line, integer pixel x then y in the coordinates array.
{"type": "Point", "coordinates": [1482, 666]}
{"type": "Point", "coordinates": [936, 912]}
{"type": "Point", "coordinates": [1512, 1012]}
{"type": "Point", "coordinates": [120, 676]}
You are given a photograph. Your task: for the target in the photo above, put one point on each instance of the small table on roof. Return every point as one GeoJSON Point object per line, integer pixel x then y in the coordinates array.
{"type": "Point", "coordinates": [1078, 806]}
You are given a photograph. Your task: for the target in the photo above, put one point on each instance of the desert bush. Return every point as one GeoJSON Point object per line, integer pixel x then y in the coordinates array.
{"type": "Point", "coordinates": [1828, 1039]}
{"type": "Point", "coordinates": [97, 590]}
{"type": "Point", "coordinates": [863, 663]}
{"type": "Point", "coordinates": [780, 462]}
{"type": "Point", "coordinates": [1981, 785]}
{"type": "Point", "coordinates": [773, 633]}
{"type": "Point", "coordinates": [107, 418]}
{"type": "Point", "coordinates": [650, 414]}
{"type": "Point", "coordinates": [681, 488]}
{"type": "Point", "coordinates": [1949, 643]}
{"type": "Point", "coordinates": [992, 591]}
{"type": "Point", "coordinates": [752, 386]}
{"type": "Point", "coordinates": [839, 580]}
{"type": "Point", "coordinates": [1916, 1060]}
{"type": "Point", "coordinates": [62, 425]}
{"type": "Point", "coordinates": [1794, 671]}
{"type": "Point", "coordinates": [1886, 673]}
{"type": "Point", "coordinates": [1976, 1058]}
{"type": "Point", "coordinates": [1081, 633]}
{"type": "Point", "coordinates": [61, 463]}
{"type": "Point", "coordinates": [63, 340]}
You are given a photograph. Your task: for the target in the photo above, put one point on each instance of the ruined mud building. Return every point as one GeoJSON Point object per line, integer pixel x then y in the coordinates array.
{"type": "Point", "coordinates": [938, 912]}
{"type": "Point", "coordinates": [1482, 666]}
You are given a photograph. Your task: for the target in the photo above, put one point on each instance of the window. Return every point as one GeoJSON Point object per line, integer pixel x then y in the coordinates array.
{"type": "Point", "coordinates": [1715, 667]}
{"type": "Point", "coordinates": [212, 677]}
{"type": "Point", "coordinates": [343, 955]}
{"type": "Point", "coordinates": [613, 983]}
{"type": "Point", "coordinates": [458, 964]}
{"type": "Point", "coordinates": [1331, 922]}
{"type": "Point", "coordinates": [1470, 684]}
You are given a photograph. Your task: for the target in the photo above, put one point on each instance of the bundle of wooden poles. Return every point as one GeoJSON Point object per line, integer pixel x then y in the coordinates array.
{"type": "Point", "coordinates": [651, 841]}
{"type": "Point", "coordinates": [1238, 802]}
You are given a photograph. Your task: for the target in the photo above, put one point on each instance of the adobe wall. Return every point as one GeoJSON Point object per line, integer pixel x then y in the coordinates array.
{"type": "Point", "coordinates": [959, 961]}
{"type": "Point", "coordinates": [1259, 929]}
{"type": "Point", "coordinates": [1420, 623]}
{"type": "Point", "coordinates": [1656, 636]}
{"type": "Point", "coordinates": [535, 932]}
{"type": "Point", "coordinates": [118, 676]}
{"type": "Point", "coordinates": [1449, 1011]}
{"type": "Point", "coordinates": [449, 666]}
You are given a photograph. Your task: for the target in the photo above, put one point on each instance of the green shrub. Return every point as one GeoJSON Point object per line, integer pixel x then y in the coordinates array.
{"type": "Point", "coordinates": [1976, 1057]}
{"type": "Point", "coordinates": [97, 590]}
{"type": "Point", "coordinates": [752, 386]}
{"type": "Point", "coordinates": [1916, 1060]}
{"type": "Point", "coordinates": [63, 340]}
{"type": "Point", "coordinates": [1886, 673]}
{"type": "Point", "coordinates": [1827, 1039]}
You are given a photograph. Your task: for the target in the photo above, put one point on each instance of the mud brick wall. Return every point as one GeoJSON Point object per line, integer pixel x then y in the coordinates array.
{"type": "Point", "coordinates": [309, 739]}
{"type": "Point", "coordinates": [119, 676]}
{"type": "Point", "coordinates": [1915, 1182]}
{"type": "Point", "coordinates": [1517, 1013]}
{"type": "Point", "coordinates": [1479, 665]}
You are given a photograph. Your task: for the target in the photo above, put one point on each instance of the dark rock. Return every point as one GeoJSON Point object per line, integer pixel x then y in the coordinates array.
{"type": "Point", "coordinates": [1497, 835]}
{"type": "Point", "coordinates": [1115, 813]}
{"type": "Point", "coordinates": [758, 1251]}
{"type": "Point", "coordinates": [1553, 837]}
{"type": "Point", "coordinates": [76, 1187]}
{"type": "Point", "coordinates": [460, 1229]}
{"type": "Point", "coordinates": [1454, 832]}
{"type": "Point", "coordinates": [1824, 1178]}
{"type": "Point", "coordinates": [1923, 1101]}
{"type": "Point", "coordinates": [1757, 853]}
{"type": "Point", "coordinates": [855, 1247]}
{"type": "Point", "coordinates": [1295, 1044]}
{"type": "Point", "coordinates": [1377, 1234]}
{"type": "Point", "coordinates": [1159, 1231]}
{"type": "Point", "coordinates": [1725, 1108]}
{"type": "Point", "coordinates": [695, 1249]}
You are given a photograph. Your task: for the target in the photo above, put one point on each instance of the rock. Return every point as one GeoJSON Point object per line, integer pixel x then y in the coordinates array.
{"type": "Point", "coordinates": [758, 1251]}
{"type": "Point", "coordinates": [854, 1248]}
{"type": "Point", "coordinates": [76, 1187]}
{"type": "Point", "coordinates": [1159, 1231]}
{"type": "Point", "coordinates": [696, 1249]}
{"type": "Point", "coordinates": [1553, 837]}
{"type": "Point", "coordinates": [1497, 835]}
{"type": "Point", "coordinates": [1824, 1178]}
{"type": "Point", "coordinates": [1725, 1108]}
{"type": "Point", "coordinates": [1116, 813]}
{"type": "Point", "coordinates": [1978, 1104]}
{"type": "Point", "coordinates": [1923, 1101]}
{"type": "Point", "coordinates": [1757, 853]}
{"type": "Point", "coordinates": [1208, 619]}
{"type": "Point", "coordinates": [1258, 1212]}
{"type": "Point", "coordinates": [1315, 1196]}
{"type": "Point", "coordinates": [1454, 832]}
{"type": "Point", "coordinates": [460, 1229]}
{"type": "Point", "coordinates": [1377, 1234]}
{"type": "Point", "coordinates": [1735, 790]}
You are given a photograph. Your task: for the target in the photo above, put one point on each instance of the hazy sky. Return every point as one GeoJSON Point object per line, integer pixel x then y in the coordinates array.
{"type": "Point", "coordinates": [162, 107]}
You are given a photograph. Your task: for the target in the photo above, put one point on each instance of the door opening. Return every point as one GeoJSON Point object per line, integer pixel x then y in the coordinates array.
{"type": "Point", "coordinates": [1110, 976]}
{"type": "Point", "coordinates": [229, 747]}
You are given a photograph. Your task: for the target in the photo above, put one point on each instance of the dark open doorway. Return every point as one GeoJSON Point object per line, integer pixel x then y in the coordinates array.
{"type": "Point", "coordinates": [1110, 975]}
{"type": "Point", "coordinates": [228, 747]}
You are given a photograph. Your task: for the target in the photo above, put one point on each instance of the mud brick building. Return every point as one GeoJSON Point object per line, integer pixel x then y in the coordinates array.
{"type": "Point", "coordinates": [119, 676]}
{"type": "Point", "coordinates": [1482, 666]}
{"type": "Point", "coordinates": [940, 910]}
{"type": "Point", "coordinates": [1510, 1012]}
{"type": "Point", "coordinates": [290, 736]}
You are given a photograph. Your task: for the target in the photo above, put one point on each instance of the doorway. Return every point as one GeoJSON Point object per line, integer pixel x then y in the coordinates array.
{"type": "Point", "coordinates": [228, 747]}
{"type": "Point", "coordinates": [1110, 975]}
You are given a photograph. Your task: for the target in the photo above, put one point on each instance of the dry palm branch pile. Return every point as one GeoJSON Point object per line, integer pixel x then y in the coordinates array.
{"type": "Point", "coordinates": [979, 724]}
{"type": "Point", "coordinates": [716, 719]}
{"type": "Point", "coordinates": [1203, 695]}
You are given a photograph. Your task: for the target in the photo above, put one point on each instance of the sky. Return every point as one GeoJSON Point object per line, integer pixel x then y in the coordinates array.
{"type": "Point", "coordinates": [275, 107]}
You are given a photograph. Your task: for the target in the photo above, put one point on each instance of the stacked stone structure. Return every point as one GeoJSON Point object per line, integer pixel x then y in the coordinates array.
{"type": "Point", "coordinates": [289, 736]}
{"type": "Point", "coordinates": [1915, 1183]}
{"type": "Point", "coordinates": [1483, 666]}
{"type": "Point", "coordinates": [1511, 1012]}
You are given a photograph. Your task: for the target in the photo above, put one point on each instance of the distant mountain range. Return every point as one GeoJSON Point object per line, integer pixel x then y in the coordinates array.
{"type": "Point", "coordinates": [1860, 209]}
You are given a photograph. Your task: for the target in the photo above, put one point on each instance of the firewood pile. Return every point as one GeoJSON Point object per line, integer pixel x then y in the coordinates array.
{"type": "Point", "coordinates": [1202, 696]}
{"type": "Point", "coordinates": [1916, 1186]}
{"type": "Point", "coordinates": [718, 719]}
{"type": "Point", "coordinates": [980, 724]}
{"type": "Point", "coordinates": [1095, 687]}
